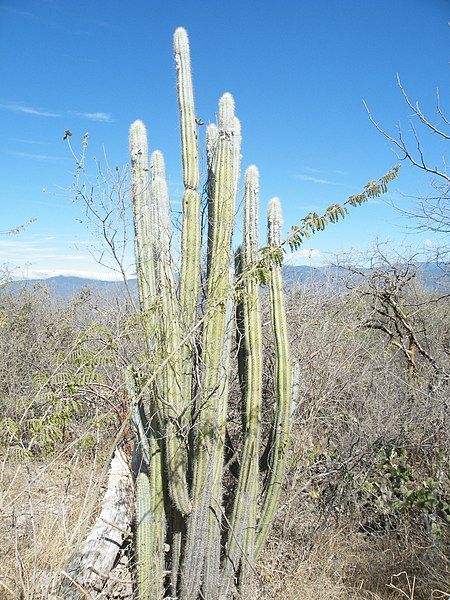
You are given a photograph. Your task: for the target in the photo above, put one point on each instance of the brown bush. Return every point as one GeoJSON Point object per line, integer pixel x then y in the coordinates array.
{"type": "Point", "coordinates": [366, 496]}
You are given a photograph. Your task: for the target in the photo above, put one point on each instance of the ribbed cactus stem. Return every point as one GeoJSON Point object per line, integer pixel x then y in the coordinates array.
{"type": "Point", "coordinates": [160, 208]}
{"type": "Point", "coordinates": [210, 587]}
{"type": "Point", "coordinates": [137, 417]}
{"type": "Point", "coordinates": [237, 140]}
{"type": "Point", "coordinates": [281, 425]}
{"type": "Point", "coordinates": [158, 166]}
{"type": "Point", "coordinates": [144, 534]}
{"type": "Point", "coordinates": [188, 126]}
{"type": "Point", "coordinates": [212, 138]}
{"type": "Point", "coordinates": [241, 540]}
{"type": "Point", "coordinates": [251, 215]}
{"type": "Point", "coordinates": [181, 451]}
{"type": "Point", "coordinates": [213, 392]}
{"type": "Point", "coordinates": [189, 284]}
{"type": "Point", "coordinates": [171, 403]}
{"type": "Point", "coordinates": [140, 203]}
{"type": "Point", "coordinates": [150, 516]}
{"type": "Point", "coordinates": [150, 529]}
{"type": "Point", "coordinates": [274, 222]}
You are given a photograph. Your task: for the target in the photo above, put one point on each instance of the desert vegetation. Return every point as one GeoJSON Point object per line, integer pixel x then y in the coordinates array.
{"type": "Point", "coordinates": [275, 441]}
{"type": "Point", "coordinates": [365, 503]}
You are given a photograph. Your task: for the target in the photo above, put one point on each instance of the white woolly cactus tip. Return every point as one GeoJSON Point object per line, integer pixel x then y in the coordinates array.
{"type": "Point", "coordinates": [212, 135]}
{"type": "Point", "coordinates": [157, 164]}
{"type": "Point", "coordinates": [138, 143]}
{"type": "Point", "coordinates": [212, 131]}
{"type": "Point", "coordinates": [274, 222]}
{"type": "Point", "coordinates": [227, 120]}
{"type": "Point", "coordinates": [138, 136]}
{"type": "Point", "coordinates": [180, 40]}
{"type": "Point", "coordinates": [252, 176]}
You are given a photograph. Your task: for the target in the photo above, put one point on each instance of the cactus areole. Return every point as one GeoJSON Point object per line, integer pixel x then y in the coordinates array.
{"type": "Point", "coordinates": [201, 526]}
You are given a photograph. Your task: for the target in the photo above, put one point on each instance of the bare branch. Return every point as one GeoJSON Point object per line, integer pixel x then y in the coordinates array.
{"type": "Point", "coordinates": [417, 111]}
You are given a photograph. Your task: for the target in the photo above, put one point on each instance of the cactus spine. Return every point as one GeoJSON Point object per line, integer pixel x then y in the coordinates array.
{"type": "Point", "coordinates": [180, 415]}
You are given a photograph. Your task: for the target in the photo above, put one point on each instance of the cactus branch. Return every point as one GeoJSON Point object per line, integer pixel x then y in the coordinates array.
{"type": "Point", "coordinates": [281, 425]}
{"type": "Point", "coordinates": [150, 515]}
{"type": "Point", "coordinates": [189, 285]}
{"type": "Point", "coordinates": [168, 342]}
{"type": "Point", "coordinates": [141, 197]}
{"type": "Point", "coordinates": [213, 388]}
{"type": "Point", "coordinates": [240, 545]}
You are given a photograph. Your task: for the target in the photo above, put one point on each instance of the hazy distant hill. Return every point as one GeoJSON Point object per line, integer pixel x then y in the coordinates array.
{"type": "Point", "coordinates": [66, 287]}
{"type": "Point", "coordinates": [434, 275]}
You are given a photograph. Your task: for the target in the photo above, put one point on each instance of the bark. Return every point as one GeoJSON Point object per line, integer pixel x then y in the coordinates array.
{"type": "Point", "coordinates": [89, 568]}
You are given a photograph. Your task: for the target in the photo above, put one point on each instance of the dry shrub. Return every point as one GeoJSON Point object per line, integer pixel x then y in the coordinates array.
{"type": "Point", "coordinates": [366, 496]}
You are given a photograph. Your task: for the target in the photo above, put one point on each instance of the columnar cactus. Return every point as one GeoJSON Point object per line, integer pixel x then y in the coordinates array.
{"type": "Point", "coordinates": [179, 399]}
{"type": "Point", "coordinates": [191, 233]}
{"type": "Point", "coordinates": [243, 520]}
{"type": "Point", "coordinates": [280, 435]}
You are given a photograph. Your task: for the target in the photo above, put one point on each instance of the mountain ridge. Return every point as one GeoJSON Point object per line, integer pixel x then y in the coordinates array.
{"type": "Point", "coordinates": [433, 276]}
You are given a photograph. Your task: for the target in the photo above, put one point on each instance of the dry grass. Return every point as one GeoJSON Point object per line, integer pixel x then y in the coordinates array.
{"type": "Point", "coordinates": [345, 565]}
{"type": "Point", "coordinates": [357, 400]}
{"type": "Point", "coordinates": [45, 509]}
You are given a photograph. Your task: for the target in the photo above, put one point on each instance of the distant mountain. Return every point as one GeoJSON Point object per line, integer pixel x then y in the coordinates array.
{"type": "Point", "coordinates": [66, 287]}
{"type": "Point", "coordinates": [434, 275]}
{"type": "Point", "coordinates": [302, 273]}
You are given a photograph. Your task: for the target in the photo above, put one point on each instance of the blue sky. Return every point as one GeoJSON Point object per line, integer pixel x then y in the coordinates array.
{"type": "Point", "coordinates": [298, 70]}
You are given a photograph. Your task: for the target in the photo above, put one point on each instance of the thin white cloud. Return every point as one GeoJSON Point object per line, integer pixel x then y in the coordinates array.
{"type": "Point", "coordinates": [305, 256]}
{"type": "Point", "coordinates": [29, 110]}
{"type": "Point", "coordinates": [311, 170]}
{"type": "Point", "coordinates": [15, 11]}
{"type": "Point", "coordinates": [316, 180]}
{"type": "Point", "coordinates": [101, 117]}
{"type": "Point", "coordinates": [31, 142]}
{"type": "Point", "coordinates": [305, 253]}
{"type": "Point", "coordinates": [15, 244]}
{"type": "Point", "coordinates": [38, 156]}
{"type": "Point", "coordinates": [319, 171]}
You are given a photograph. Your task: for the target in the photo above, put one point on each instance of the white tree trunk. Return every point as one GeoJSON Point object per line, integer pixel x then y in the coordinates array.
{"type": "Point", "coordinates": [88, 569]}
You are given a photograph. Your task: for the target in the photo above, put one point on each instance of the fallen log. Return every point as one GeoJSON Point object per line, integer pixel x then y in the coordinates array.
{"type": "Point", "coordinates": [88, 569]}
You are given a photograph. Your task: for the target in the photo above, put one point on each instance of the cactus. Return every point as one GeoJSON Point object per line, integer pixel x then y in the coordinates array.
{"type": "Point", "coordinates": [150, 514]}
{"type": "Point", "coordinates": [240, 544]}
{"type": "Point", "coordinates": [213, 392]}
{"type": "Point", "coordinates": [191, 240]}
{"type": "Point", "coordinates": [179, 402]}
{"type": "Point", "coordinates": [214, 530]}
{"type": "Point", "coordinates": [141, 203]}
{"type": "Point", "coordinates": [283, 377]}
